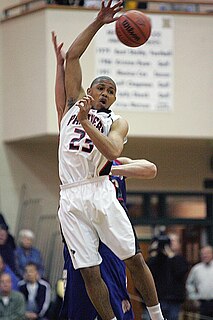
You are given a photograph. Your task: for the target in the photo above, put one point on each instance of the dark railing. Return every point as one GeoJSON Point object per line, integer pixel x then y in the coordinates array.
{"type": "Point", "coordinates": [157, 208]}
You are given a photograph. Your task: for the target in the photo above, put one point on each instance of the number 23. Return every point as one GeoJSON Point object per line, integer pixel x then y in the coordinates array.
{"type": "Point", "coordinates": [75, 142]}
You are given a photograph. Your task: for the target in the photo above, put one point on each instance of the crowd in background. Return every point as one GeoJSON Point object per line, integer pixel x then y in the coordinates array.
{"type": "Point", "coordinates": [96, 3]}
{"type": "Point", "coordinates": [129, 4]}
{"type": "Point", "coordinates": [26, 294]}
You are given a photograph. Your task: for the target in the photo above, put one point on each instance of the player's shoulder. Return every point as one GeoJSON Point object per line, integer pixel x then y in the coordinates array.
{"type": "Point", "coordinates": [68, 112]}
{"type": "Point", "coordinates": [114, 115]}
{"type": "Point", "coordinates": [120, 124]}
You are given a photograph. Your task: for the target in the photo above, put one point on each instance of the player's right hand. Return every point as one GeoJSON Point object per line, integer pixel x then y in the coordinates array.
{"type": "Point", "coordinates": [85, 104]}
{"type": "Point", "coordinates": [107, 12]}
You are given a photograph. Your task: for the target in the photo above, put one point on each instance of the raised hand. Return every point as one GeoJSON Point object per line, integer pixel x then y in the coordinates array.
{"type": "Point", "coordinates": [85, 104]}
{"type": "Point", "coordinates": [60, 54]}
{"type": "Point", "coordinates": [107, 13]}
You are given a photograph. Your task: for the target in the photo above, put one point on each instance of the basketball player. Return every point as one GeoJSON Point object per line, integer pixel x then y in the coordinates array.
{"type": "Point", "coordinates": [90, 137]}
{"type": "Point", "coordinates": [77, 304]}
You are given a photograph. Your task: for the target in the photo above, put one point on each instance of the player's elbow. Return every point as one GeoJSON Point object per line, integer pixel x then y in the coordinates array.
{"type": "Point", "coordinates": [72, 54]}
{"type": "Point", "coordinates": [113, 154]}
{"type": "Point", "coordinates": [149, 171]}
{"type": "Point", "coordinates": [152, 171]}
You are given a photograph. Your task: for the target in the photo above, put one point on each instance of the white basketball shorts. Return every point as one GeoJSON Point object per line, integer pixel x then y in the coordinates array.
{"type": "Point", "coordinates": [90, 211]}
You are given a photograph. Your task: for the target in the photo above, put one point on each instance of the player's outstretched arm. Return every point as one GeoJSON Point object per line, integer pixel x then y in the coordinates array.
{"type": "Point", "coordinates": [60, 95]}
{"type": "Point", "coordinates": [138, 168]}
{"type": "Point", "coordinates": [73, 73]}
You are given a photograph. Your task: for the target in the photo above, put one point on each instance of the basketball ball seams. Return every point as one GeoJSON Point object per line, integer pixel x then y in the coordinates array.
{"type": "Point", "coordinates": [124, 40]}
{"type": "Point", "coordinates": [143, 19]}
{"type": "Point", "coordinates": [140, 30]}
{"type": "Point", "coordinates": [123, 32]}
{"type": "Point", "coordinates": [133, 28]}
{"type": "Point", "coordinates": [129, 37]}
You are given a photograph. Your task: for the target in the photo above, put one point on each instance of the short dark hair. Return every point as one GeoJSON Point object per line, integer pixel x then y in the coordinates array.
{"type": "Point", "coordinates": [31, 263]}
{"type": "Point", "coordinates": [98, 79]}
{"type": "Point", "coordinates": [3, 227]}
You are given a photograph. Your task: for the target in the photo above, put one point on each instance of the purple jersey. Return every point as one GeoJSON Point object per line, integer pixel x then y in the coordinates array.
{"type": "Point", "coordinates": [77, 305]}
{"type": "Point", "coordinates": [120, 184]}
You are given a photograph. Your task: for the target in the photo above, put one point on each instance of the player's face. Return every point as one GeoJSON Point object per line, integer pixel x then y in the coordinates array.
{"type": "Point", "coordinates": [103, 93]}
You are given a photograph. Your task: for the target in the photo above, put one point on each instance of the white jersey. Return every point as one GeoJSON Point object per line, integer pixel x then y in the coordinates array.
{"type": "Point", "coordinates": [79, 159]}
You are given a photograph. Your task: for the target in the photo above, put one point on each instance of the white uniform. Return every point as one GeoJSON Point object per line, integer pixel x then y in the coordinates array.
{"type": "Point", "coordinates": [89, 209]}
{"type": "Point", "coordinates": [79, 159]}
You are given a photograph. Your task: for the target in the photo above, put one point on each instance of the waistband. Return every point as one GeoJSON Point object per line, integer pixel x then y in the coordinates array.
{"type": "Point", "coordinates": [82, 182]}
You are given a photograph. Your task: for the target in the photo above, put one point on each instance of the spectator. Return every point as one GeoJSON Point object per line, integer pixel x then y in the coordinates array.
{"type": "Point", "coordinates": [12, 304]}
{"type": "Point", "coordinates": [135, 4]}
{"type": "Point", "coordinates": [7, 250]}
{"type": "Point", "coordinates": [26, 253]}
{"type": "Point", "coordinates": [69, 2]}
{"type": "Point", "coordinates": [185, 7]}
{"type": "Point", "coordinates": [169, 269]}
{"type": "Point", "coordinates": [96, 4]}
{"type": "Point", "coordinates": [10, 238]}
{"type": "Point", "coordinates": [37, 293]}
{"type": "Point", "coordinates": [199, 284]}
{"type": "Point", "coordinates": [4, 268]}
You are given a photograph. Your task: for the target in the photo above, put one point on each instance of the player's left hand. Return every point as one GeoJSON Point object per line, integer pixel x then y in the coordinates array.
{"type": "Point", "coordinates": [85, 104]}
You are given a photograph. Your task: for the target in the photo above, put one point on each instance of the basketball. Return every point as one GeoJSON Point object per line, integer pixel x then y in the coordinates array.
{"type": "Point", "coordinates": [133, 28]}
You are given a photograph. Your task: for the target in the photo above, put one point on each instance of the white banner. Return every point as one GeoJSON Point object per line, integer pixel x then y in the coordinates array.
{"type": "Point", "coordinates": [144, 75]}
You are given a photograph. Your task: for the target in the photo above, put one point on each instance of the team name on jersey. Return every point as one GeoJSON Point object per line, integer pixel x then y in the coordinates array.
{"type": "Point", "coordinates": [91, 117]}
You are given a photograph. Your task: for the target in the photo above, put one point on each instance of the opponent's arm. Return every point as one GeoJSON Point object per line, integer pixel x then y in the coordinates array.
{"type": "Point", "coordinates": [73, 73]}
{"type": "Point", "coordinates": [60, 94]}
{"type": "Point", "coordinates": [138, 168]}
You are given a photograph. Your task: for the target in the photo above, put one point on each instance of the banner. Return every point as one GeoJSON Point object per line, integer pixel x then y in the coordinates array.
{"type": "Point", "coordinates": [144, 75]}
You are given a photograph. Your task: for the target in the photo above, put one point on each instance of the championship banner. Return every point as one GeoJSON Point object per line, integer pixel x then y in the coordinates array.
{"type": "Point", "coordinates": [144, 75]}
